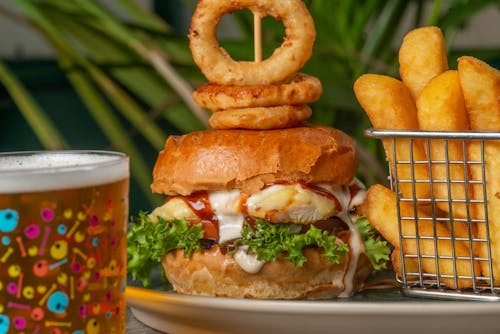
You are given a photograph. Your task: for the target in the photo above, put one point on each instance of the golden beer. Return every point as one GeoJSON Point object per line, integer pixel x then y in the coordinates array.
{"type": "Point", "coordinates": [63, 218]}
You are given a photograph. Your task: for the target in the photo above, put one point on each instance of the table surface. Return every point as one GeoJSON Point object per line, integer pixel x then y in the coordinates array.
{"type": "Point", "coordinates": [134, 326]}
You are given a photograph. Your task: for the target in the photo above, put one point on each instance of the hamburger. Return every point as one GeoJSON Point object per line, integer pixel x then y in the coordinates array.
{"type": "Point", "coordinates": [271, 214]}
{"type": "Point", "coordinates": [262, 205]}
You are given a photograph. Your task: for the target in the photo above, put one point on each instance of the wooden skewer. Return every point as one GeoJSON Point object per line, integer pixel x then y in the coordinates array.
{"type": "Point", "coordinates": [257, 37]}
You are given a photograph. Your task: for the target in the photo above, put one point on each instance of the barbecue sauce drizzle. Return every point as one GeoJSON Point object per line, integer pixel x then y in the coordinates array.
{"type": "Point", "coordinates": [199, 203]}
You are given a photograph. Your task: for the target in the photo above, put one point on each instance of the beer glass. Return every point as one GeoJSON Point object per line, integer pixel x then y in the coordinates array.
{"type": "Point", "coordinates": [63, 218]}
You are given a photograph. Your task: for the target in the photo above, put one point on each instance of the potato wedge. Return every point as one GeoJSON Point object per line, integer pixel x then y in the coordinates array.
{"type": "Point", "coordinates": [481, 87]}
{"type": "Point", "coordinates": [422, 56]}
{"type": "Point", "coordinates": [441, 107]}
{"type": "Point", "coordinates": [382, 212]}
{"type": "Point", "coordinates": [411, 266]}
{"type": "Point", "coordinates": [389, 105]}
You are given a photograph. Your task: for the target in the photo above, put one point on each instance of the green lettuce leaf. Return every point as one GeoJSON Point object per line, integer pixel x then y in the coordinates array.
{"type": "Point", "coordinates": [376, 248]}
{"type": "Point", "coordinates": [149, 242]}
{"type": "Point", "coordinates": [268, 240]}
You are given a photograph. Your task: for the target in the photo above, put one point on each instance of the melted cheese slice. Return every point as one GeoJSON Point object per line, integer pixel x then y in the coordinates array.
{"type": "Point", "coordinates": [174, 208]}
{"type": "Point", "coordinates": [290, 203]}
{"type": "Point", "coordinates": [277, 203]}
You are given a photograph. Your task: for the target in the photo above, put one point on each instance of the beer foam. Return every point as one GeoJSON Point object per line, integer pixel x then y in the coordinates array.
{"type": "Point", "coordinates": [43, 171]}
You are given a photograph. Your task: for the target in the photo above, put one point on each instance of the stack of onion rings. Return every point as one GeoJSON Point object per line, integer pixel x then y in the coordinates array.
{"type": "Point", "coordinates": [301, 89]}
{"type": "Point", "coordinates": [269, 94]}
{"type": "Point", "coordinates": [261, 118]}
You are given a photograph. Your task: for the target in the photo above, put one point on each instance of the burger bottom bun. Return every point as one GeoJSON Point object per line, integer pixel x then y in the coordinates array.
{"type": "Point", "coordinates": [212, 273]}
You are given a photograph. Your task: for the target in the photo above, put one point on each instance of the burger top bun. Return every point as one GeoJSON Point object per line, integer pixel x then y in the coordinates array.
{"type": "Point", "coordinates": [248, 159]}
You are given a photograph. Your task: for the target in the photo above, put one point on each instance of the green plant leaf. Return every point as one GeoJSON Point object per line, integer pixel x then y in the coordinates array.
{"type": "Point", "coordinates": [125, 66]}
{"type": "Point", "coordinates": [110, 125]}
{"type": "Point", "coordinates": [40, 123]}
{"type": "Point", "coordinates": [151, 53]}
{"type": "Point", "coordinates": [124, 103]}
{"type": "Point", "coordinates": [383, 30]}
{"type": "Point", "coordinates": [144, 18]}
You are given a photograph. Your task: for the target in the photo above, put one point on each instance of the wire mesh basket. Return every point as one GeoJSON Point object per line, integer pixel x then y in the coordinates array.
{"type": "Point", "coordinates": [449, 231]}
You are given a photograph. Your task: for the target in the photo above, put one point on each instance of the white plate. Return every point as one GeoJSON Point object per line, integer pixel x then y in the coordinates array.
{"type": "Point", "coordinates": [383, 311]}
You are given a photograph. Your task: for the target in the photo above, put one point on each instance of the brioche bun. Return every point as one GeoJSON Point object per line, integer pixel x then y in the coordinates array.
{"type": "Point", "coordinates": [212, 273]}
{"type": "Point", "coordinates": [248, 159]}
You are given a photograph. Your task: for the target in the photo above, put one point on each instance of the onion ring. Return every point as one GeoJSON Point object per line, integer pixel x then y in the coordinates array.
{"type": "Point", "coordinates": [301, 89]}
{"type": "Point", "coordinates": [218, 66]}
{"type": "Point", "coordinates": [261, 118]}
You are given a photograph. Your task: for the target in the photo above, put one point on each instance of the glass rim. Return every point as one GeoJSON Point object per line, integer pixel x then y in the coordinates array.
{"type": "Point", "coordinates": [116, 157]}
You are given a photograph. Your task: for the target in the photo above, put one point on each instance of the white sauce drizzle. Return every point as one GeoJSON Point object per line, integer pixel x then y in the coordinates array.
{"type": "Point", "coordinates": [360, 196]}
{"type": "Point", "coordinates": [226, 207]}
{"type": "Point", "coordinates": [248, 262]}
{"type": "Point", "coordinates": [356, 246]}
{"type": "Point", "coordinates": [230, 227]}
